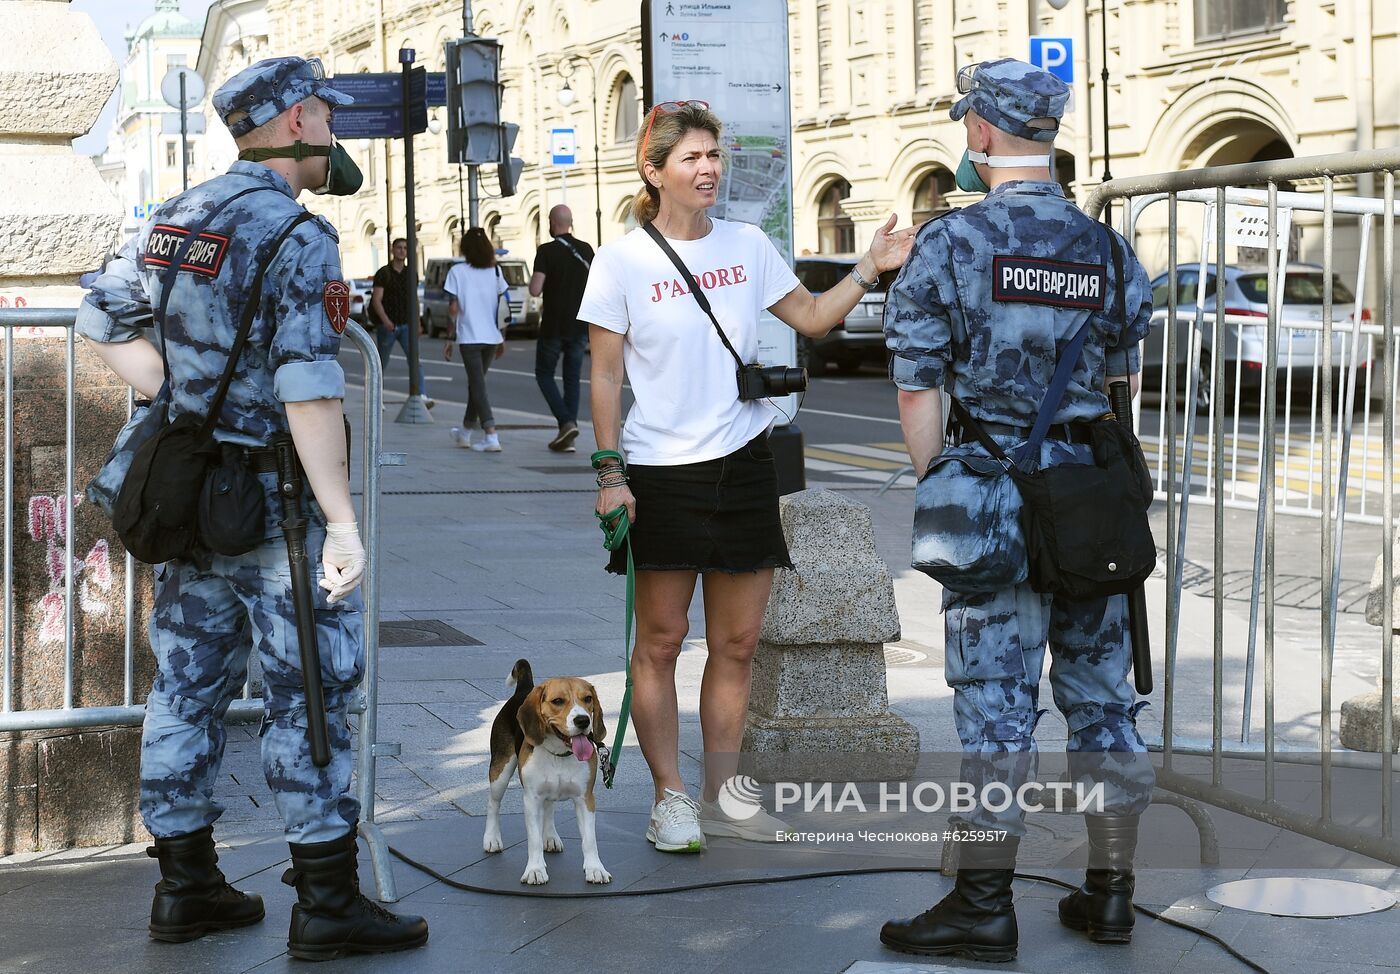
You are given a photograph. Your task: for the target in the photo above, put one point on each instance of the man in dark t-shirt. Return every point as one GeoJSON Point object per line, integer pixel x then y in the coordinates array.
{"type": "Point", "coordinates": [389, 309]}
{"type": "Point", "coordinates": [561, 272]}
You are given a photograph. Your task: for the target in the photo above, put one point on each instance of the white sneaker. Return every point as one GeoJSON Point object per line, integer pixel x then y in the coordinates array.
{"type": "Point", "coordinates": [674, 826]}
{"type": "Point", "coordinates": [490, 444]}
{"type": "Point", "coordinates": [461, 437]}
{"type": "Point", "coordinates": [756, 825]}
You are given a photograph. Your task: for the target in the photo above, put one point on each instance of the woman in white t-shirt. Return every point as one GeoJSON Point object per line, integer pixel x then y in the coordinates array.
{"type": "Point", "coordinates": [477, 286]}
{"type": "Point", "coordinates": [698, 482]}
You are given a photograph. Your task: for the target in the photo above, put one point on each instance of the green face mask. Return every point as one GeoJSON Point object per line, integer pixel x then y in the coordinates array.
{"type": "Point", "coordinates": [969, 180]}
{"type": "Point", "coordinates": [343, 177]}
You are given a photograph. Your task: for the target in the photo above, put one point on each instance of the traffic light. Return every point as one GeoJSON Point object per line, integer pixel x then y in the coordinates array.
{"type": "Point", "coordinates": [510, 167]}
{"type": "Point", "coordinates": [474, 96]}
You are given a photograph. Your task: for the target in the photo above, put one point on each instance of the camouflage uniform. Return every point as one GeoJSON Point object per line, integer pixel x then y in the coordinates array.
{"type": "Point", "coordinates": [211, 611]}
{"type": "Point", "coordinates": [948, 325]}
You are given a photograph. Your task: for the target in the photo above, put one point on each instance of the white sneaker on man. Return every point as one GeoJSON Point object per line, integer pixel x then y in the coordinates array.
{"type": "Point", "coordinates": [674, 826]}
{"type": "Point", "coordinates": [461, 437]}
{"type": "Point", "coordinates": [755, 824]}
{"type": "Point", "coordinates": [491, 443]}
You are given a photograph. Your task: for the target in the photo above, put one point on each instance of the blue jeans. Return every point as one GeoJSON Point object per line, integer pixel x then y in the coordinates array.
{"type": "Point", "coordinates": [385, 339]}
{"type": "Point", "coordinates": [547, 352]}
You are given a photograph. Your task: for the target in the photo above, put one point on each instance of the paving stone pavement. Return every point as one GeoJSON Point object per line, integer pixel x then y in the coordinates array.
{"type": "Point", "coordinates": [511, 556]}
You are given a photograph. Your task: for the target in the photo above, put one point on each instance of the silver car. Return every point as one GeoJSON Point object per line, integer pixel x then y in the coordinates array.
{"type": "Point", "coordinates": [1247, 311]}
{"type": "Point", "coordinates": [860, 336]}
{"type": "Point", "coordinates": [433, 300]}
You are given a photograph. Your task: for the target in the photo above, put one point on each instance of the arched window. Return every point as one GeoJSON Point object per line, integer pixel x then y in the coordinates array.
{"type": "Point", "coordinates": [629, 222]}
{"type": "Point", "coordinates": [532, 225]}
{"type": "Point", "coordinates": [628, 114]}
{"type": "Point", "coordinates": [931, 195]}
{"type": "Point", "coordinates": [836, 232]}
{"type": "Point", "coordinates": [1065, 173]}
{"type": "Point", "coordinates": [493, 230]}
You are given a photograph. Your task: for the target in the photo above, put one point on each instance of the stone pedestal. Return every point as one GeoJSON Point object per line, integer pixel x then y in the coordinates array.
{"type": "Point", "coordinates": [1360, 727]}
{"type": "Point", "coordinates": [819, 708]}
{"type": "Point", "coordinates": [61, 788]}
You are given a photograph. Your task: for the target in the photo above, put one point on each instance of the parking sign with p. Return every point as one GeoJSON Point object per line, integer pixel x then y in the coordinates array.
{"type": "Point", "coordinates": [1056, 55]}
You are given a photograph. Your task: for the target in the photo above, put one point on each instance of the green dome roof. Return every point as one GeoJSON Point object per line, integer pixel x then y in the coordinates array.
{"type": "Point", "coordinates": [167, 21]}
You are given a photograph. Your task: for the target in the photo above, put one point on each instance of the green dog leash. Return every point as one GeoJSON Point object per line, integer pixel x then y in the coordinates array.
{"type": "Point", "coordinates": [616, 533]}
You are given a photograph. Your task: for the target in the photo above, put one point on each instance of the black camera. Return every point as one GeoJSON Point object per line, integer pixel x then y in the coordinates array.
{"type": "Point", "coordinates": [757, 382]}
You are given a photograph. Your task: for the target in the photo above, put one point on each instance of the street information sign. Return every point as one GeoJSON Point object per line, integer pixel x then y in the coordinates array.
{"type": "Point", "coordinates": [734, 55]}
{"type": "Point", "coordinates": [378, 109]}
{"type": "Point", "coordinates": [1056, 55]}
{"type": "Point", "coordinates": [563, 147]}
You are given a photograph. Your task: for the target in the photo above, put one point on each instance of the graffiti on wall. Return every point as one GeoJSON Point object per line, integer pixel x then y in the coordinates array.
{"type": "Point", "coordinates": [92, 574]}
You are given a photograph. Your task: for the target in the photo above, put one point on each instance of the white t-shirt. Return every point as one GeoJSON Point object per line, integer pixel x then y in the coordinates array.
{"type": "Point", "coordinates": [687, 400]}
{"type": "Point", "coordinates": [477, 290]}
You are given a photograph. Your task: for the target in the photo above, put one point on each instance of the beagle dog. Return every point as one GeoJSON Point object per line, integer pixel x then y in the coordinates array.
{"type": "Point", "coordinates": [550, 734]}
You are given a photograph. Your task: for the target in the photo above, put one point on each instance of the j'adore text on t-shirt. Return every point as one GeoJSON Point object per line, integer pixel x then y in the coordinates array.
{"type": "Point", "coordinates": [723, 277]}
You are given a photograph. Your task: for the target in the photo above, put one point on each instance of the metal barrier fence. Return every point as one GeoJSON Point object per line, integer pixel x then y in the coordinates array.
{"type": "Point", "coordinates": [1331, 477]}
{"type": "Point", "coordinates": [129, 712]}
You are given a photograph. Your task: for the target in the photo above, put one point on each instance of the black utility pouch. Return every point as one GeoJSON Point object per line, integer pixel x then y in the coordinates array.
{"type": "Point", "coordinates": [232, 506]}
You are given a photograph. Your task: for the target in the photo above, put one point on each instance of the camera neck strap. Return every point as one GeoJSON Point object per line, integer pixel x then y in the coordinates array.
{"type": "Point", "coordinates": [689, 278]}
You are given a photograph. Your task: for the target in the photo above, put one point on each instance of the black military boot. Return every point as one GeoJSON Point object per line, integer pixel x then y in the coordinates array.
{"type": "Point", "coordinates": [976, 919]}
{"type": "Point", "coordinates": [1103, 906]}
{"type": "Point", "coordinates": [192, 897]}
{"type": "Point", "coordinates": [332, 917]}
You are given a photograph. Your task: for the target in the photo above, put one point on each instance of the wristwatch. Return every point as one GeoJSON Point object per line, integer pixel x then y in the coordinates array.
{"type": "Point", "coordinates": [865, 285]}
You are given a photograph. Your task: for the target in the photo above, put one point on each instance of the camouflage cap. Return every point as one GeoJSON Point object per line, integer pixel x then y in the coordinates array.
{"type": "Point", "coordinates": [1009, 94]}
{"type": "Point", "coordinates": [270, 87]}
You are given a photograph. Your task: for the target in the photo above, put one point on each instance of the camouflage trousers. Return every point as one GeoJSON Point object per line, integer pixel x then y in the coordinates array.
{"type": "Point", "coordinates": [995, 647]}
{"type": "Point", "coordinates": [206, 621]}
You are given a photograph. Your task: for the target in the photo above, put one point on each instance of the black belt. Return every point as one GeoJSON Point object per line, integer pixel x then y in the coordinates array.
{"type": "Point", "coordinates": [1064, 432]}
{"type": "Point", "coordinates": [262, 460]}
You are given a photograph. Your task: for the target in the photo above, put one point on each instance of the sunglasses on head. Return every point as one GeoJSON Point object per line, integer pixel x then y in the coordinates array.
{"type": "Point", "coordinates": [668, 108]}
{"type": "Point", "coordinates": [966, 80]}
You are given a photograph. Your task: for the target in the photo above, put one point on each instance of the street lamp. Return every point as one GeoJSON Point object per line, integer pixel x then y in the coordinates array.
{"type": "Point", "coordinates": [567, 97]}
{"type": "Point", "coordinates": [1103, 26]}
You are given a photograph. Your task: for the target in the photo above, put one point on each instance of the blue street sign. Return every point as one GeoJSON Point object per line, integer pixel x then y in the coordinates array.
{"type": "Point", "coordinates": [384, 122]}
{"type": "Point", "coordinates": [371, 90]}
{"type": "Point", "coordinates": [563, 147]}
{"type": "Point", "coordinates": [1056, 55]}
{"type": "Point", "coordinates": [437, 89]}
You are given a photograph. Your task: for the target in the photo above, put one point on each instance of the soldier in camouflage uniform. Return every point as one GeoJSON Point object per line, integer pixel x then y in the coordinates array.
{"type": "Point", "coordinates": [211, 610]}
{"type": "Point", "coordinates": [971, 312]}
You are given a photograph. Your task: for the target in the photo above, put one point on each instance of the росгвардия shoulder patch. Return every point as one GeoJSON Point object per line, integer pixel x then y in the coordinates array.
{"type": "Point", "coordinates": [1058, 283]}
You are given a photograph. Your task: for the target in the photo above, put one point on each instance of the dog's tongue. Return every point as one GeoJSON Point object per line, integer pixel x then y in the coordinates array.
{"type": "Point", "coordinates": [582, 746]}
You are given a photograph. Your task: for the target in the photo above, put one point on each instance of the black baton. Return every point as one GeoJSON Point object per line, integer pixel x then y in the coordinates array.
{"type": "Point", "coordinates": [289, 487]}
{"type": "Point", "coordinates": [1121, 399]}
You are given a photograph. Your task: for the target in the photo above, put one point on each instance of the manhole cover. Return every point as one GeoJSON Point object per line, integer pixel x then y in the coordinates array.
{"type": "Point", "coordinates": [900, 656]}
{"type": "Point", "coordinates": [1291, 896]}
{"type": "Point", "coordinates": [423, 632]}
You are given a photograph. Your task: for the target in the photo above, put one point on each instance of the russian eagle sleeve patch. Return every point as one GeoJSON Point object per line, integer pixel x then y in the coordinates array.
{"type": "Point", "coordinates": [1058, 283]}
{"type": "Point", "coordinates": [336, 298]}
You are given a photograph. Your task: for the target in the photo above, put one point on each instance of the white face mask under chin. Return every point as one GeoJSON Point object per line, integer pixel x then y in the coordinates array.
{"type": "Point", "coordinates": [1013, 162]}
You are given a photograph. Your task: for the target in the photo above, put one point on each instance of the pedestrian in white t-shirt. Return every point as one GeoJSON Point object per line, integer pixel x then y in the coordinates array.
{"type": "Point", "coordinates": [477, 286]}
{"type": "Point", "coordinates": [698, 483]}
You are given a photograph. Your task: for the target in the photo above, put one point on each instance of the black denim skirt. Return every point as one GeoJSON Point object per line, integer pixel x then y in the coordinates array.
{"type": "Point", "coordinates": [714, 516]}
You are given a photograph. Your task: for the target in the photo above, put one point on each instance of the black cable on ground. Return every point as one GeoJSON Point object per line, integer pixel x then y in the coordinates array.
{"type": "Point", "coordinates": [794, 877]}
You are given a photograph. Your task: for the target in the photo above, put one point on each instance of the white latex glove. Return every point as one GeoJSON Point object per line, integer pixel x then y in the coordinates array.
{"type": "Point", "coordinates": [342, 560]}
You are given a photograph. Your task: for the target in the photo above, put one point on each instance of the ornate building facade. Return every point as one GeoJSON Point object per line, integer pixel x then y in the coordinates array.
{"type": "Point", "coordinates": [144, 145]}
{"type": "Point", "coordinates": [1191, 83]}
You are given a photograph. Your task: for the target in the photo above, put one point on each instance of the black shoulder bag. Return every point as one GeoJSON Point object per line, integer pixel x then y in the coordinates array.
{"type": "Point", "coordinates": [1086, 527]}
{"type": "Point", "coordinates": [184, 489]}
